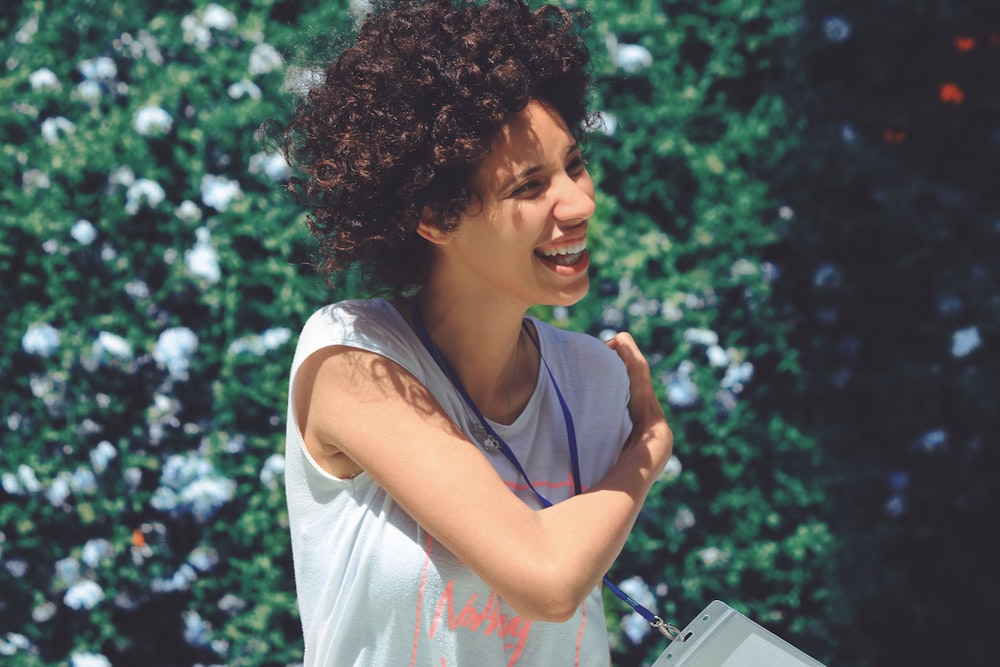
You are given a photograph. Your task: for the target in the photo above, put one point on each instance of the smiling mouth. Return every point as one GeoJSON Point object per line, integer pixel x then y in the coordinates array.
{"type": "Point", "coordinates": [565, 255]}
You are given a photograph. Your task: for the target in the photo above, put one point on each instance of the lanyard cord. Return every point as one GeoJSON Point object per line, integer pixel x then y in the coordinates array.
{"type": "Point", "coordinates": [655, 621]}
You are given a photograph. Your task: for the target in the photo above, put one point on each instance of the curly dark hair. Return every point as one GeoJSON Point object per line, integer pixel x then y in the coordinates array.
{"type": "Point", "coordinates": [403, 116]}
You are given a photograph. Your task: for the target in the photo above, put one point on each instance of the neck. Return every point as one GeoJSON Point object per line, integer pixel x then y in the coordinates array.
{"type": "Point", "coordinates": [484, 344]}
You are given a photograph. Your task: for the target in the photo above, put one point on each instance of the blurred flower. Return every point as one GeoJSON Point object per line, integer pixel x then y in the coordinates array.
{"type": "Point", "coordinates": [672, 470]}
{"type": "Point", "coordinates": [122, 176]}
{"type": "Point", "coordinates": [203, 559]}
{"type": "Point", "coordinates": [892, 136]}
{"type": "Point", "coordinates": [202, 260]}
{"type": "Point", "coordinates": [13, 642]}
{"type": "Point", "coordinates": [899, 480]}
{"type": "Point", "coordinates": [895, 506]}
{"type": "Point", "coordinates": [949, 305]}
{"type": "Point", "coordinates": [180, 581]}
{"type": "Point", "coordinates": [218, 17]}
{"type": "Point", "coordinates": [271, 339]}
{"type": "Point", "coordinates": [635, 627]}
{"type": "Point", "coordinates": [196, 630]}
{"type": "Point", "coordinates": [43, 79]}
{"type": "Point", "coordinates": [152, 121]}
{"type": "Point", "coordinates": [848, 134]}
{"type": "Point", "coordinates": [717, 356]}
{"type": "Point", "coordinates": [96, 550]}
{"type": "Point", "coordinates": [52, 127]}
{"type": "Point", "coordinates": [83, 232]}
{"type": "Point", "coordinates": [684, 519]}
{"type": "Point", "coordinates": [219, 191]}
{"type": "Point", "coordinates": [98, 69]}
{"type": "Point", "coordinates": [272, 165]}
{"type": "Point", "coordinates": [965, 44]}
{"type": "Point", "coordinates": [89, 91]}
{"type": "Point", "coordinates": [737, 375]}
{"type": "Point", "coordinates": [264, 58]}
{"type": "Point", "coordinates": [245, 88]}
{"type": "Point", "coordinates": [836, 29]}
{"type": "Point", "coordinates": [102, 455]}
{"type": "Point", "coordinates": [111, 345]}
{"type": "Point", "coordinates": [84, 594]}
{"type": "Point", "coordinates": [933, 440]}
{"type": "Point", "coordinates": [195, 32]}
{"type": "Point", "coordinates": [26, 33]}
{"type": "Point", "coordinates": [188, 211]}
{"type": "Point", "coordinates": [41, 338]}
{"type": "Point", "coordinates": [174, 348]}
{"type": "Point", "coordinates": [633, 624]}
{"type": "Point", "coordinates": [964, 341]}
{"type": "Point", "coordinates": [89, 660]}
{"type": "Point", "coordinates": [951, 93]}
{"type": "Point", "coordinates": [8, 481]}
{"type": "Point", "coordinates": [27, 479]}
{"type": "Point", "coordinates": [35, 179]}
{"type": "Point", "coordinates": [143, 192]}
{"type": "Point", "coordinates": [191, 483]}
{"type": "Point", "coordinates": [629, 57]}
{"type": "Point", "coordinates": [272, 470]}
{"type": "Point", "coordinates": [710, 556]}
{"type": "Point", "coordinates": [82, 481]}
{"type": "Point", "coordinates": [701, 336]}
{"type": "Point", "coordinates": [59, 489]}
{"type": "Point", "coordinates": [137, 289]}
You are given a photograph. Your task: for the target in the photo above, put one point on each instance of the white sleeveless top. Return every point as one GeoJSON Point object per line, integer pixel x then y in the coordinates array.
{"type": "Point", "coordinates": [375, 589]}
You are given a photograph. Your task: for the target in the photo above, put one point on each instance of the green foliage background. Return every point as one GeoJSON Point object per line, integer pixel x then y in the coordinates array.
{"type": "Point", "coordinates": [797, 215]}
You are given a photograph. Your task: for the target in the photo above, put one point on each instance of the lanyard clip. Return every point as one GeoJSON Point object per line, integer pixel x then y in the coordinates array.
{"type": "Point", "coordinates": [666, 629]}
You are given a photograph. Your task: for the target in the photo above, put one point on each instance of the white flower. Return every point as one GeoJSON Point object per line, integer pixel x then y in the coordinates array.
{"type": "Point", "coordinates": [82, 481]}
{"type": "Point", "coordinates": [59, 489]}
{"type": "Point", "coordinates": [89, 660]}
{"type": "Point", "coordinates": [152, 121]}
{"type": "Point", "coordinates": [174, 348]}
{"type": "Point", "coordinates": [13, 642]}
{"type": "Point", "coordinates": [684, 519]}
{"type": "Point", "coordinates": [275, 337]}
{"type": "Point", "coordinates": [137, 289]}
{"type": "Point", "coordinates": [681, 391]}
{"type": "Point", "coordinates": [672, 470]}
{"type": "Point", "coordinates": [41, 338]}
{"type": "Point", "coordinates": [83, 232]}
{"type": "Point", "coordinates": [195, 32]}
{"type": "Point", "coordinates": [737, 376]}
{"type": "Point", "coordinates": [26, 33]}
{"type": "Point", "coordinates": [26, 476]}
{"type": "Point", "coordinates": [710, 556]}
{"type": "Point", "coordinates": [264, 58]}
{"type": "Point", "coordinates": [191, 483]}
{"type": "Point", "coordinates": [196, 630]}
{"type": "Point", "coordinates": [273, 165]}
{"type": "Point", "coordinates": [52, 127]}
{"type": "Point", "coordinates": [188, 211]}
{"type": "Point", "coordinates": [102, 455]}
{"type": "Point", "coordinates": [202, 260]}
{"type": "Point", "coordinates": [109, 344]}
{"type": "Point", "coordinates": [272, 470]}
{"type": "Point", "coordinates": [964, 341]}
{"type": "Point", "coordinates": [98, 69]}
{"type": "Point", "coordinates": [83, 595]}
{"type": "Point", "coordinates": [836, 28]}
{"type": "Point", "coordinates": [219, 191]}
{"type": "Point", "coordinates": [632, 57]}
{"type": "Point", "coordinates": [786, 212]}
{"type": "Point", "coordinates": [94, 551]}
{"type": "Point", "coordinates": [245, 88]}
{"type": "Point", "coordinates": [43, 79]}
{"type": "Point", "coordinates": [635, 627]}
{"type": "Point", "coordinates": [8, 481]}
{"type": "Point", "coordinates": [89, 91]}
{"type": "Point", "coordinates": [218, 17]}
{"type": "Point", "coordinates": [701, 336]}
{"type": "Point", "coordinates": [143, 192]}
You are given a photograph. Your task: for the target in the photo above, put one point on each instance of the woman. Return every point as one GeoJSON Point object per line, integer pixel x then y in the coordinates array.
{"type": "Point", "coordinates": [430, 434]}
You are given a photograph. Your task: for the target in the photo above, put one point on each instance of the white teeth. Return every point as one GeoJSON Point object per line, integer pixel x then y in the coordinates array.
{"type": "Point", "coordinates": [568, 249]}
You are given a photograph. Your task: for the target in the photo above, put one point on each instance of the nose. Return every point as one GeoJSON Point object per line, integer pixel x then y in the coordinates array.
{"type": "Point", "coordinates": [575, 201]}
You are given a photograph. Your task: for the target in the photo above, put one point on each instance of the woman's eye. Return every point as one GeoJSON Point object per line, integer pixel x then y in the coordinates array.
{"type": "Point", "coordinates": [528, 188]}
{"type": "Point", "coordinates": [576, 165]}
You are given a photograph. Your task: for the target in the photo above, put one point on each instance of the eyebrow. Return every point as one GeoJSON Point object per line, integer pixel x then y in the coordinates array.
{"type": "Point", "coordinates": [575, 146]}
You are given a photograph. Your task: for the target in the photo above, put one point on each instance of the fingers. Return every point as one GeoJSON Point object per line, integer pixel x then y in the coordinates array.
{"type": "Point", "coordinates": [628, 351]}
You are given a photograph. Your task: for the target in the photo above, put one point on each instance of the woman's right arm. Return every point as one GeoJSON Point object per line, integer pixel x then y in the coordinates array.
{"type": "Point", "coordinates": [356, 406]}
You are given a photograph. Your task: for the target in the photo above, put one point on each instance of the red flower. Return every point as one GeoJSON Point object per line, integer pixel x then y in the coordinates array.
{"type": "Point", "coordinates": [965, 44]}
{"type": "Point", "coordinates": [138, 539]}
{"type": "Point", "coordinates": [950, 93]}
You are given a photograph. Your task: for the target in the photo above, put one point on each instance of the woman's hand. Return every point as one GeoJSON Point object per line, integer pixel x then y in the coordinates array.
{"type": "Point", "coordinates": [643, 406]}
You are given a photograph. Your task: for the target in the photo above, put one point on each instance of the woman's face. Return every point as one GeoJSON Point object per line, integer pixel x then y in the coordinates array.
{"type": "Point", "coordinates": [524, 237]}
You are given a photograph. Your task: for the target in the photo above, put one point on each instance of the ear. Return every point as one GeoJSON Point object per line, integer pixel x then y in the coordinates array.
{"type": "Point", "coordinates": [429, 230]}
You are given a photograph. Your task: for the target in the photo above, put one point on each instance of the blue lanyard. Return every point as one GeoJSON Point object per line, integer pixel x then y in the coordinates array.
{"type": "Point", "coordinates": [655, 621]}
